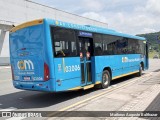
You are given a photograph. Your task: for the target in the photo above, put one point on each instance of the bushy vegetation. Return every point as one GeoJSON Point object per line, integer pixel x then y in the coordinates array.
{"type": "Point", "coordinates": [154, 42]}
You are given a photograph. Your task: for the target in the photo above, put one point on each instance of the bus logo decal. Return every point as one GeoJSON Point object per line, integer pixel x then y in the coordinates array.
{"type": "Point", "coordinates": [25, 65]}
{"type": "Point", "coordinates": [124, 59]}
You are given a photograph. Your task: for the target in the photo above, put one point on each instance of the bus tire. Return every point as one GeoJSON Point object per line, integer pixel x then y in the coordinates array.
{"type": "Point", "coordinates": [140, 70]}
{"type": "Point", "coordinates": [106, 79]}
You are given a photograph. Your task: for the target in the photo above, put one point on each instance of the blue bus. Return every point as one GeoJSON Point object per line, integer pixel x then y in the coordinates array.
{"type": "Point", "coordinates": [53, 56]}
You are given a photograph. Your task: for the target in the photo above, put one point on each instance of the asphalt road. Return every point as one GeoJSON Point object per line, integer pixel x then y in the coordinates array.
{"type": "Point", "coordinates": [14, 99]}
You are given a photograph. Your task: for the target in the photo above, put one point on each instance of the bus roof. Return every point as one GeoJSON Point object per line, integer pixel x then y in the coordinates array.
{"type": "Point", "coordinates": [90, 28]}
{"type": "Point", "coordinates": [26, 24]}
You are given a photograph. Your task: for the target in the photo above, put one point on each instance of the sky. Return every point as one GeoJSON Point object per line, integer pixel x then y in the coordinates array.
{"type": "Point", "coordinates": [127, 16]}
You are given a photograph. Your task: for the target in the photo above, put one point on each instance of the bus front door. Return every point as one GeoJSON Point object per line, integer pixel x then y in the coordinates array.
{"type": "Point", "coordinates": [147, 56]}
{"type": "Point", "coordinates": [86, 48]}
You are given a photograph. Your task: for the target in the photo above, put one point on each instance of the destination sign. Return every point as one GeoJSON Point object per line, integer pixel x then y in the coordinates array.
{"type": "Point", "coordinates": [85, 34]}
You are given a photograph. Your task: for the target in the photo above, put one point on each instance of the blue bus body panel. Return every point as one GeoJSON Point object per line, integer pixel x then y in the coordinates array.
{"type": "Point", "coordinates": [119, 64]}
{"type": "Point", "coordinates": [31, 48]}
{"type": "Point", "coordinates": [27, 57]}
{"type": "Point", "coordinates": [67, 72]}
{"type": "Point", "coordinates": [115, 62]}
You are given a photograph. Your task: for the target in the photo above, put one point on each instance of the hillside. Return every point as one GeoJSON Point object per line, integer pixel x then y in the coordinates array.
{"type": "Point", "coordinates": [154, 45]}
{"type": "Point", "coordinates": [152, 39]}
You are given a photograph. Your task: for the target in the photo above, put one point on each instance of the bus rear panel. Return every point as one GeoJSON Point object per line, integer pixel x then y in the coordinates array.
{"type": "Point", "coordinates": [29, 66]}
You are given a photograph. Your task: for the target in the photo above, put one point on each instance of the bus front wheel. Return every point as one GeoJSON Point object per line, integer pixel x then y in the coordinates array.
{"type": "Point", "coordinates": [140, 71]}
{"type": "Point", "coordinates": [106, 78]}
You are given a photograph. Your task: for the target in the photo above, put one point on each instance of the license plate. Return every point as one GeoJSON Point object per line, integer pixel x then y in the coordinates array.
{"type": "Point", "coordinates": [26, 78]}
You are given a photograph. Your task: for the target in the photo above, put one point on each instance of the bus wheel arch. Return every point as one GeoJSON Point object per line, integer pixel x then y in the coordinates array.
{"type": "Point", "coordinates": [105, 70]}
{"type": "Point", "coordinates": [141, 68]}
{"type": "Point", "coordinates": [109, 69]}
{"type": "Point", "coordinates": [142, 65]}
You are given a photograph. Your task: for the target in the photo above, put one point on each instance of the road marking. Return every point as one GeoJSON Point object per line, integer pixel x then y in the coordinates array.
{"type": "Point", "coordinates": [114, 85]}
{"type": "Point", "coordinates": [8, 109]}
{"type": "Point", "coordinates": [98, 95]}
{"type": "Point", "coordinates": [7, 80]}
{"type": "Point", "coordinates": [5, 67]}
{"type": "Point", "coordinates": [95, 96]}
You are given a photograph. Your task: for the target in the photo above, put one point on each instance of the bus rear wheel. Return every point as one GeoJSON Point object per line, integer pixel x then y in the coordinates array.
{"type": "Point", "coordinates": [106, 78]}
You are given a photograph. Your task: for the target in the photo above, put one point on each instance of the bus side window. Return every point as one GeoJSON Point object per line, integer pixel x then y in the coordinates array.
{"type": "Point", "coordinates": [98, 50]}
{"type": "Point", "coordinates": [98, 44]}
{"type": "Point", "coordinates": [64, 42]}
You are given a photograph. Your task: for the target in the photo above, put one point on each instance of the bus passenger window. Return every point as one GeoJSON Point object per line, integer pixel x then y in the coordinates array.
{"type": "Point", "coordinates": [64, 42]}
{"type": "Point", "coordinates": [109, 43]}
{"type": "Point", "coordinates": [98, 50]}
{"type": "Point", "coordinates": [98, 43]}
